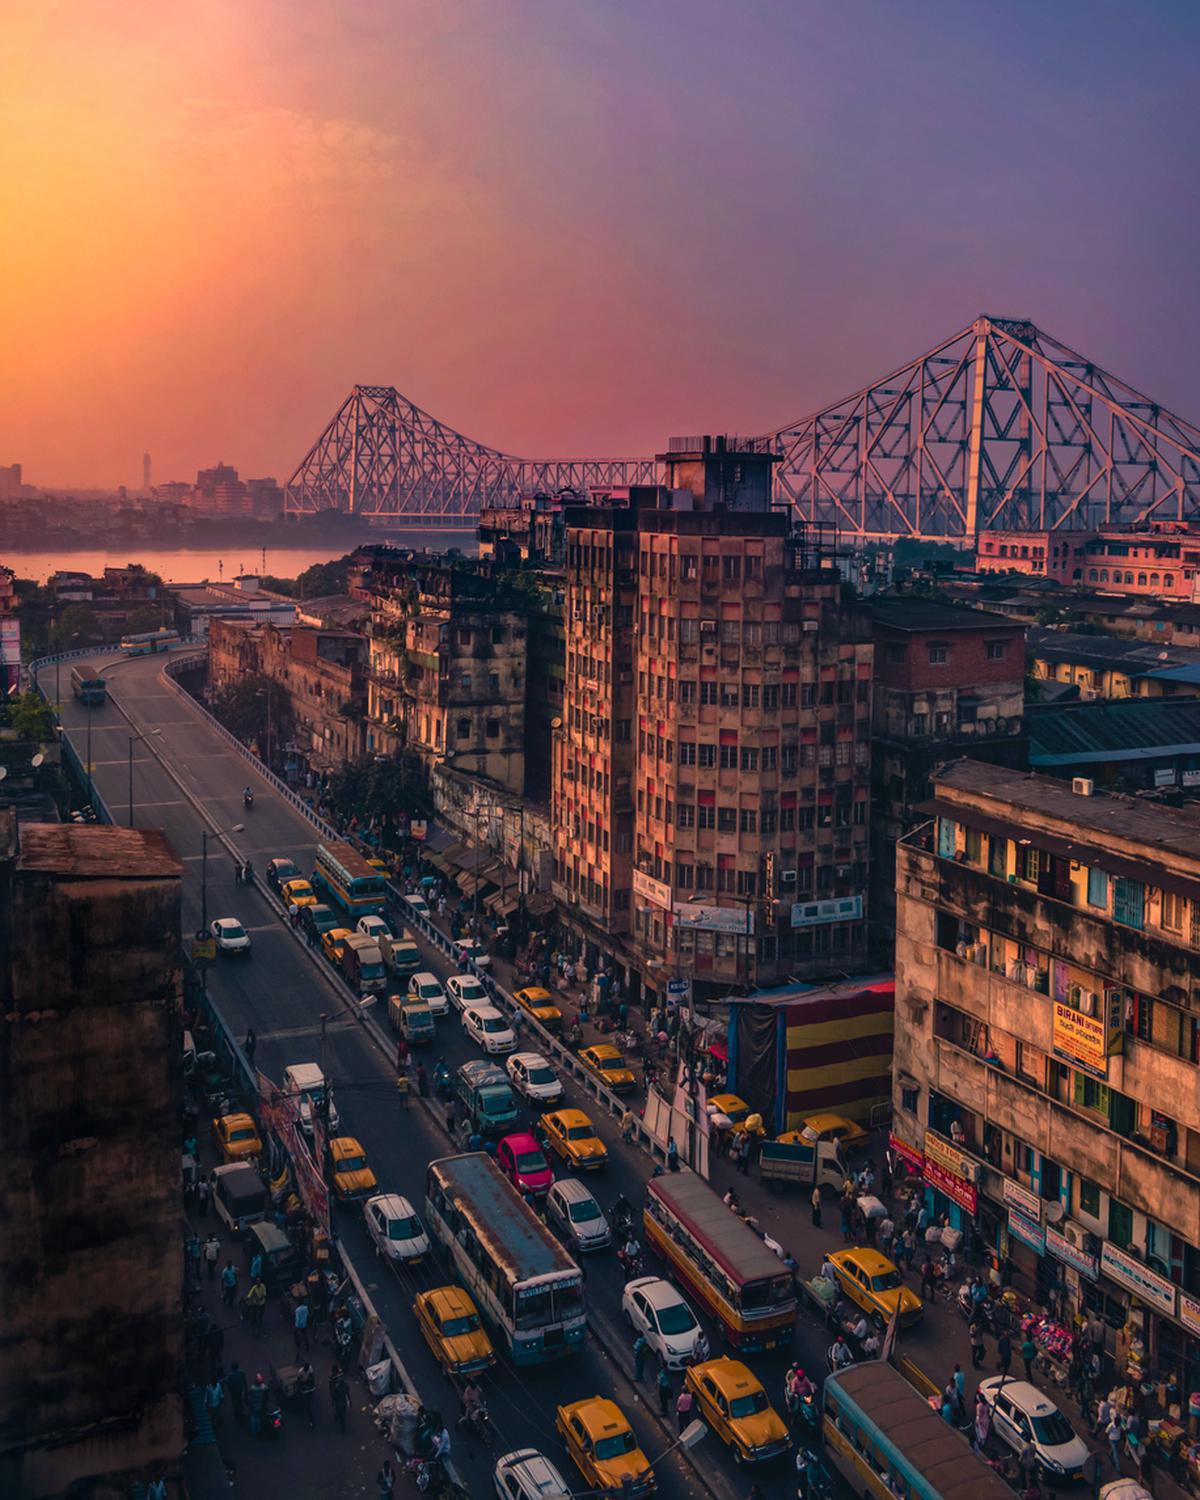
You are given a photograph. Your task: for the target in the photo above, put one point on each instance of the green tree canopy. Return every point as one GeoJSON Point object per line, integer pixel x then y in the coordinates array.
{"type": "Point", "coordinates": [76, 626]}
{"type": "Point", "coordinates": [30, 715]}
{"type": "Point", "coordinates": [381, 788]}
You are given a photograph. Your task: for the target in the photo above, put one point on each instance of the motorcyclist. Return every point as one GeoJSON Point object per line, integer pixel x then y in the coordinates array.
{"type": "Point", "coordinates": [247, 796]}
{"type": "Point", "coordinates": [841, 1355]}
{"type": "Point", "coordinates": [473, 1402]}
{"type": "Point", "coordinates": [799, 1384]}
{"type": "Point", "coordinates": [622, 1212]}
{"type": "Point", "coordinates": [858, 1331]}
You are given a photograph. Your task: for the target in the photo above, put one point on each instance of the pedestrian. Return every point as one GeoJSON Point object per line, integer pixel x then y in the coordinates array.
{"type": "Point", "coordinates": [300, 1326]}
{"type": "Point", "coordinates": [664, 1390]}
{"type": "Point", "coordinates": [1028, 1354]}
{"type": "Point", "coordinates": [887, 1233]}
{"type": "Point", "coordinates": [960, 1390]}
{"type": "Point", "coordinates": [216, 1349]}
{"type": "Point", "coordinates": [1114, 1433]}
{"type": "Point", "coordinates": [1104, 1414]}
{"type": "Point", "coordinates": [228, 1283]}
{"type": "Point", "coordinates": [339, 1397]}
{"type": "Point", "coordinates": [157, 1489]}
{"type": "Point", "coordinates": [250, 1045]}
{"type": "Point", "coordinates": [700, 1349]}
{"type": "Point", "coordinates": [212, 1253]}
{"type": "Point", "coordinates": [1028, 1460]}
{"type": "Point", "coordinates": [256, 1306]}
{"type": "Point", "coordinates": [422, 1081]}
{"type": "Point", "coordinates": [1003, 1352]}
{"type": "Point", "coordinates": [683, 1408]}
{"type": "Point", "coordinates": [847, 1218]}
{"type": "Point", "coordinates": [640, 1347]}
{"type": "Point", "coordinates": [983, 1422]}
{"type": "Point", "coordinates": [194, 1250]}
{"type": "Point", "coordinates": [401, 1056]}
{"type": "Point", "coordinates": [214, 1394]}
{"type": "Point", "coordinates": [628, 1127]}
{"type": "Point", "coordinates": [237, 872]}
{"type": "Point", "coordinates": [386, 1480]}
{"type": "Point", "coordinates": [257, 1404]}
{"type": "Point", "coordinates": [203, 1194]}
{"type": "Point", "coordinates": [978, 1347]}
{"type": "Point", "coordinates": [816, 1207]}
{"type": "Point", "coordinates": [402, 1089]}
{"type": "Point", "coordinates": [745, 1142]}
{"type": "Point", "coordinates": [235, 1386]}
{"type": "Point", "coordinates": [928, 1280]}
{"type": "Point", "coordinates": [306, 1389]}
{"type": "Point", "coordinates": [256, 1265]}
{"type": "Point", "coordinates": [672, 1155]}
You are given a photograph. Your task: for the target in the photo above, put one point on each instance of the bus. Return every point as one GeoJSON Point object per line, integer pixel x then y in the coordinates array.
{"type": "Point", "coordinates": [87, 683]}
{"type": "Point", "coordinates": [349, 881]}
{"type": "Point", "coordinates": [887, 1441]}
{"type": "Point", "coordinates": [721, 1261]}
{"type": "Point", "coordinates": [527, 1288]}
{"type": "Point", "coordinates": [148, 642]}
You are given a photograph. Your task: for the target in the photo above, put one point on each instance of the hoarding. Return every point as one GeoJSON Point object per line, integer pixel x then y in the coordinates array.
{"type": "Point", "coordinates": [734, 919]}
{"type": "Point", "coordinates": [1080, 1039]}
{"type": "Point", "coordinates": [651, 890]}
{"type": "Point", "coordinates": [1144, 1283]}
{"type": "Point", "coordinates": [950, 1171]}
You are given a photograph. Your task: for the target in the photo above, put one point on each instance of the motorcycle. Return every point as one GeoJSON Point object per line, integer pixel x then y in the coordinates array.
{"type": "Point", "coordinates": [622, 1218]}
{"type": "Point", "coordinates": [837, 1365]}
{"type": "Point", "coordinates": [441, 1081]}
{"type": "Point", "coordinates": [812, 1483]}
{"type": "Point", "coordinates": [631, 1265]}
{"type": "Point", "coordinates": [247, 799]}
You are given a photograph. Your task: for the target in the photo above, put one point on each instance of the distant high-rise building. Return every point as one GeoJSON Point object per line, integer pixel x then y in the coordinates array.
{"type": "Point", "coordinates": [146, 472]}
{"type": "Point", "coordinates": [10, 481]}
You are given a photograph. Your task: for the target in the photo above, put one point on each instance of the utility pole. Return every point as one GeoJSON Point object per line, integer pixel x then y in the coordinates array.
{"type": "Point", "coordinates": [135, 739]}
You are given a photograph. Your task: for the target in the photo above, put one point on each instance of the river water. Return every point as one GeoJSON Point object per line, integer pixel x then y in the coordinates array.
{"type": "Point", "coordinates": [212, 564]}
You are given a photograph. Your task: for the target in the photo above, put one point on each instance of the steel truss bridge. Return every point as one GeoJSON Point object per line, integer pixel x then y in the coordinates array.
{"type": "Point", "coordinates": [1001, 427]}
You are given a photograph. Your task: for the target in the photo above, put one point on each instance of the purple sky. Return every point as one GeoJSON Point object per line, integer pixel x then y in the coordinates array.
{"type": "Point", "coordinates": [570, 226]}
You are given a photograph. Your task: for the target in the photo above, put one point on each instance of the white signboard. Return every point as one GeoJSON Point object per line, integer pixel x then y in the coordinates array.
{"type": "Point", "coordinates": [816, 913]}
{"type": "Point", "coordinates": [1137, 1278]}
{"type": "Point", "coordinates": [651, 890]}
{"type": "Point", "coordinates": [715, 918]}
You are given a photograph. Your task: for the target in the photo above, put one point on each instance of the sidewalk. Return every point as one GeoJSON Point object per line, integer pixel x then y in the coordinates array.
{"type": "Point", "coordinates": [309, 1465]}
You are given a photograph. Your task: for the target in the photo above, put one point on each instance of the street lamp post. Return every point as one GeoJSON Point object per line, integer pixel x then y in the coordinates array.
{"type": "Point", "coordinates": [204, 838]}
{"type": "Point", "coordinates": [136, 739]}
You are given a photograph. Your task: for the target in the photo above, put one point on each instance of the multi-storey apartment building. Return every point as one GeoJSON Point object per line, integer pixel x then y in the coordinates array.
{"type": "Point", "coordinates": [1047, 1041]}
{"type": "Point", "coordinates": [717, 718]}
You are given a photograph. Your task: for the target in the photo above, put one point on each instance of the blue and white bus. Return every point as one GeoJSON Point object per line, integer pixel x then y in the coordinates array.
{"type": "Point", "coordinates": [526, 1286]}
{"type": "Point", "coordinates": [350, 883]}
{"type": "Point", "coordinates": [149, 641]}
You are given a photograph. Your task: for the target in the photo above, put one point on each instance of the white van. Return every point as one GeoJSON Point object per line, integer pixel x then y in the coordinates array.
{"type": "Point", "coordinates": [305, 1083]}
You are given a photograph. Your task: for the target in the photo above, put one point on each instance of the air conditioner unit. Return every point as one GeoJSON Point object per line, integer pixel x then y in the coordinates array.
{"type": "Point", "coordinates": [708, 627]}
{"type": "Point", "coordinates": [1090, 1003]}
{"type": "Point", "coordinates": [787, 877]}
{"type": "Point", "coordinates": [812, 625]}
{"type": "Point", "coordinates": [1083, 786]}
{"type": "Point", "coordinates": [1073, 1235]}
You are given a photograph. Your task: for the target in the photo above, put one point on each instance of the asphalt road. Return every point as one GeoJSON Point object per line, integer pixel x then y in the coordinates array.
{"type": "Point", "coordinates": [282, 991]}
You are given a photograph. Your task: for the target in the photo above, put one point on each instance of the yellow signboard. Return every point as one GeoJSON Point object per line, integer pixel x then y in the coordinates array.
{"type": "Point", "coordinates": [1080, 1039]}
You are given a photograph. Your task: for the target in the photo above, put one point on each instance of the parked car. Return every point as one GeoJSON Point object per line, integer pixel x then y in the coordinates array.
{"type": "Point", "coordinates": [737, 1112]}
{"type": "Point", "coordinates": [450, 1323]}
{"type": "Point", "coordinates": [521, 1160]}
{"type": "Point", "coordinates": [533, 1078]}
{"type": "Point", "coordinates": [419, 905]}
{"type": "Point", "coordinates": [873, 1282]}
{"type": "Point", "coordinates": [605, 1063]}
{"type": "Point", "coordinates": [428, 987]}
{"type": "Point", "coordinates": [396, 1231]}
{"type": "Point", "coordinates": [539, 1003]}
{"type": "Point", "coordinates": [655, 1309]}
{"type": "Point", "coordinates": [1021, 1414]}
{"type": "Point", "coordinates": [577, 1215]}
{"type": "Point", "coordinates": [526, 1474]}
{"type": "Point", "coordinates": [237, 1137]}
{"type": "Point", "coordinates": [488, 1028]}
{"type": "Point", "coordinates": [465, 989]}
{"type": "Point", "coordinates": [849, 1134]}
{"type": "Point", "coordinates": [319, 919]}
{"type": "Point", "coordinates": [231, 936]}
{"type": "Point", "coordinates": [281, 870]}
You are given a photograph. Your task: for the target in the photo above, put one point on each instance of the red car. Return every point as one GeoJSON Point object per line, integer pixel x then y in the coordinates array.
{"type": "Point", "coordinates": [521, 1160]}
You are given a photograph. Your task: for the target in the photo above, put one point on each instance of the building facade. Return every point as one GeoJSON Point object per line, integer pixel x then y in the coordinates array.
{"type": "Point", "coordinates": [949, 681]}
{"type": "Point", "coordinates": [1047, 1042]}
{"type": "Point", "coordinates": [91, 1258]}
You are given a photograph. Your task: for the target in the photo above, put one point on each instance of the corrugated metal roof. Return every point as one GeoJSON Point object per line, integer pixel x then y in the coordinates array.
{"type": "Point", "coordinates": [516, 1238]}
{"type": "Point", "coordinates": [1127, 729]}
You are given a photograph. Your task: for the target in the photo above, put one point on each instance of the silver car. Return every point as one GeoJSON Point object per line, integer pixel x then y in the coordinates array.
{"type": "Point", "coordinates": [572, 1208]}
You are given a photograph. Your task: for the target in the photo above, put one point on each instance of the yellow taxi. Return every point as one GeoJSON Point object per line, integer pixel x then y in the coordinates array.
{"type": "Point", "coordinates": [603, 1446]}
{"type": "Point", "coordinates": [733, 1403]}
{"type": "Point", "coordinates": [450, 1322]}
{"type": "Point", "coordinates": [352, 1177]}
{"type": "Point", "coordinates": [573, 1136]}
{"type": "Point", "coordinates": [738, 1112]}
{"type": "Point", "coordinates": [378, 864]}
{"type": "Point", "coordinates": [849, 1135]}
{"type": "Point", "coordinates": [873, 1282]}
{"type": "Point", "coordinates": [604, 1061]}
{"type": "Point", "coordinates": [539, 1003]}
{"type": "Point", "coordinates": [333, 943]}
{"type": "Point", "coordinates": [237, 1137]}
{"type": "Point", "coordinates": [297, 893]}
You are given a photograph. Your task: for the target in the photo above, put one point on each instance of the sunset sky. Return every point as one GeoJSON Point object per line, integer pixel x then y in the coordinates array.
{"type": "Point", "coordinates": [567, 227]}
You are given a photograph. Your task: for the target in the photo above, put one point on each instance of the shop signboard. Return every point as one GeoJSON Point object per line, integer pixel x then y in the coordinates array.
{"type": "Point", "coordinates": [694, 914]}
{"type": "Point", "coordinates": [1071, 1255]}
{"type": "Point", "coordinates": [1191, 778]}
{"type": "Point", "coordinates": [1021, 1198]}
{"type": "Point", "coordinates": [418, 829]}
{"type": "Point", "coordinates": [950, 1171]}
{"type": "Point", "coordinates": [837, 909]}
{"type": "Point", "coordinates": [1164, 776]}
{"type": "Point", "coordinates": [1080, 1039]}
{"type": "Point", "coordinates": [1155, 1290]}
{"type": "Point", "coordinates": [1027, 1230]}
{"type": "Point", "coordinates": [909, 1153]}
{"type": "Point", "coordinates": [1189, 1313]}
{"type": "Point", "coordinates": [651, 890]}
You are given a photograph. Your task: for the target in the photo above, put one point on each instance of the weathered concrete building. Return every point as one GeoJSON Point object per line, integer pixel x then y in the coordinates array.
{"type": "Point", "coordinates": [91, 1258]}
{"type": "Point", "coordinates": [1047, 1041]}
{"type": "Point", "coordinates": [949, 681]}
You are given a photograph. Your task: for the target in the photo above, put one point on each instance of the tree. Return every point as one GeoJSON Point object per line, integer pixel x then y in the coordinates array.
{"type": "Point", "coordinates": [149, 617]}
{"type": "Point", "coordinates": [76, 626]}
{"type": "Point", "coordinates": [381, 788]}
{"type": "Point", "coordinates": [30, 715]}
{"type": "Point", "coordinates": [255, 708]}
{"type": "Point", "coordinates": [323, 578]}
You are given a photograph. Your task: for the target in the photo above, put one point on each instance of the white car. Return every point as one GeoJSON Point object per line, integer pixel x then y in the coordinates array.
{"type": "Point", "coordinates": [375, 928]}
{"type": "Point", "coordinates": [580, 1218]}
{"type": "Point", "coordinates": [231, 936]}
{"type": "Point", "coordinates": [1021, 1414]}
{"type": "Point", "coordinates": [465, 989]}
{"type": "Point", "coordinates": [474, 953]}
{"type": "Point", "coordinates": [526, 1474]}
{"type": "Point", "coordinates": [533, 1078]}
{"type": "Point", "coordinates": [655, 1309]}
{"type": "Point", "coordinates": [395, 1229]}
{"type": "Point", "coordinates": [419, 905]}
{"type": "Point", "coordinates": [428, 987]}
{"type": "Point", "coordinates": [485, 1025]}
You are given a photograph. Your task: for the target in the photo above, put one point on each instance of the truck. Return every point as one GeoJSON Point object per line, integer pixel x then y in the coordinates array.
{"type": "Point", "coordinates": [362, 964]}
{"type": "Point", "coordinates": [412, 1018]}
{"type": "Point", "coordinates": [485, 1101]}
{"type": "Point", "coordinates": [401, 954]}
{"type": "Point", "coordinates": [806, 1163]}
{"type": "Point", "coordinates": [305, 1084]}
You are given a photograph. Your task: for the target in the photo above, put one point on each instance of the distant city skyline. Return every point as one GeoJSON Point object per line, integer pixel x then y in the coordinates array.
{"type": "Point", "coordinates": [568, 228]}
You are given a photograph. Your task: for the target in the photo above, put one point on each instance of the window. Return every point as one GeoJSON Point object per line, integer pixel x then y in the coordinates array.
{"type": "Point", "coordinates": [707, 756]}
{"type": "Point", "coordinates": [749, 758]}
{"type": "Point", "coordinates": [770, 698]}
{"type": "Point", "coordinates": [732, 569]}
{"type": "Point", "coordinates": [726, 820]}
{"type": "Point", "coordinates": [749, 695]}
{"type": "Point", "coordinates": [464, 729]}
{"type": "Point", "coordinates": [687, 752]}
{"type": "Point", "coordinates": [1120, 1223]}
{"type": "Point", "coordinates": [685, 815]}
{"type": "Point", "coordinates": [1089, 1197]}
{"type": "Point", "coordinates": [939, 653]}
{"type": "Point", "coordinates": [749, 820]}
{"type": "Point", "coordinates": [708, 693]}
{"type": "Point", "coordinates": [1172, 911]}
{"type": "Point", "coordinates": [1129, 902]}
{"type": "Point", "coordinates": [706, 817]}
{"type": "Point", "coordinates": [494, 682]}
{"type": "Point", "coordinates": [996, 650]}
{"type": "Point", "coordinates": [729, 757]}
{"type": "Point", "coordinates": [1097, 887]}
{"type": "Point", "coordinates": [493, 729]}
{"type": "Point", "coordinates": [919, 721]}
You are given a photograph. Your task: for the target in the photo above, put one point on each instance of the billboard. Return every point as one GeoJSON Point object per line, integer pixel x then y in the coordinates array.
{"type": "Point", "coordinates": [1080, 1039]}
{"type": "Point", "coordinates": [651, 890]}
{"type": "Point", "coordinates": [735, 919]}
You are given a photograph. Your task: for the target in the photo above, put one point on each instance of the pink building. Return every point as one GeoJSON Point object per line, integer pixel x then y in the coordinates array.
{"type": "Point", "coordinates": [1158, 559]}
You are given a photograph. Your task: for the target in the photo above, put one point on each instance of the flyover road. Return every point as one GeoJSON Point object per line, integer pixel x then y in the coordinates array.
{"type": "Point", "coordinates": [187, 779]}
